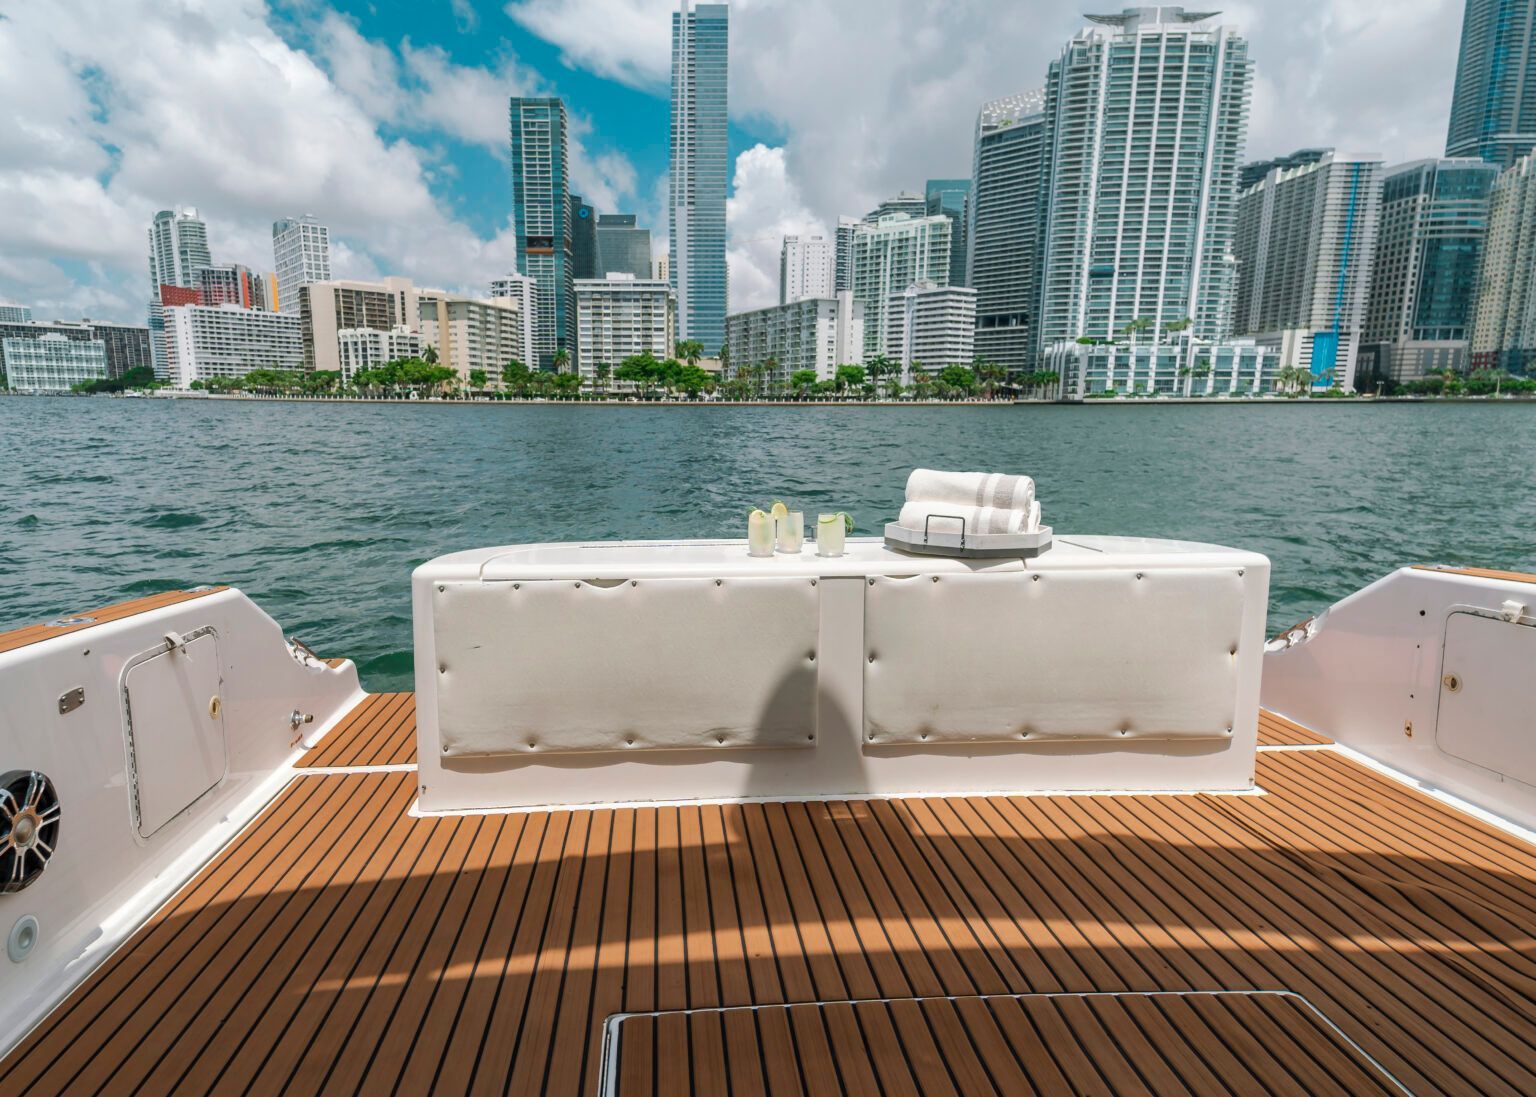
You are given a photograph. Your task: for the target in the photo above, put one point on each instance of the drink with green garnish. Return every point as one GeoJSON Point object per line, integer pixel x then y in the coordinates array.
{"type": "Point", "coordinates": [831, 531]}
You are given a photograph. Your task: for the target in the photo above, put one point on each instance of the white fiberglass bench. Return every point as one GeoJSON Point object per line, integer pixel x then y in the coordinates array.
{"type": "Point", "coordinates": [641, 671]}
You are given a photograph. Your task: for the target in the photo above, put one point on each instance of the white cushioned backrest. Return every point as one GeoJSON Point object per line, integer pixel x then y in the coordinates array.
{"type": "Point", "coordinates": [560, 666]}
{"type": "Point", "coordinates": [1054, 655]}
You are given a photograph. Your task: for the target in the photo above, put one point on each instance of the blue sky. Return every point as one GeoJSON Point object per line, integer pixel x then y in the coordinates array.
{"type": "Point", "coordinates": [388, 119]}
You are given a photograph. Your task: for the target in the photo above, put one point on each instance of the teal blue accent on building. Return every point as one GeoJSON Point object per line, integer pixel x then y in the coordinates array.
{"type": "Point", "coordinates": [1493, 107]}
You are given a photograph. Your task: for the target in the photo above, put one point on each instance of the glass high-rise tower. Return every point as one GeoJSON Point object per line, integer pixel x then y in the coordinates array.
{"type": "Point", "coordinates": [700, 169]}
{"type": "Point", "coordinates": [1007, 216]}
{"type": "Point", "coordinates": [541, 214]}
{"type": "Point", "coordinates": [1493, 109]}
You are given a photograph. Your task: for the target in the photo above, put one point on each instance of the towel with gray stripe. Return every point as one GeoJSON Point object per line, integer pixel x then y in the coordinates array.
{"type": "Point", "coordinates": [970, 502]}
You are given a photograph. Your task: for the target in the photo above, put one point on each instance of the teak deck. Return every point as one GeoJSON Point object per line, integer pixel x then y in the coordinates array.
{"type": "Point", "coordinates": [1163, 1044]}
{"type": "Point", "coordinates": [341, 945]}
{"type": "Point", "coordinates": [34, 634]}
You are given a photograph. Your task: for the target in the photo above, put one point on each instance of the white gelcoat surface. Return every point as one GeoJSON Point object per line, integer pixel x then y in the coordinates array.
{"type": "Point", "coordinates": [1371, 676]}
{"type": "Point", "coordinates": [842, 762]}
{"type": "Point", "coordinates": [105, 878]}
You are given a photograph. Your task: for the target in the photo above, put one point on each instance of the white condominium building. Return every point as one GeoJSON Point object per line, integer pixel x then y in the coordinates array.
{"type": "Point", "coordinates": [472, 334]}
{"type": "Point", "coordinates": [807, 268]}
{"type": "Point", "coordinates": [929, 327]}
{"type": "Point", "coordinates": [888, 256]}
{"type": "Point", "coordinates": [229, 341]}
{"type": "Point", "coordinates": [328, 308]}
{"type": "Point", "coordinates": [15, 314]}
{"type": "Point", "coordinates": [52, 362]}
{"type": "Point", "coordinates": [1145, 117]}
{"type": "Point", "coordinates": [368, 348]}
{"type": "Point", "coordinates": [525, 291]}
{"type": "Point", "coordinates": [814, 333]}
{"type": "Point", "coordinates": [619, 316]}
{"type": "Point", "coordinates": [301, 252]}
{"type": "Point", "coordinates": [1306, 247]}
{"type": "Point", "coordinates": [1504, 328]}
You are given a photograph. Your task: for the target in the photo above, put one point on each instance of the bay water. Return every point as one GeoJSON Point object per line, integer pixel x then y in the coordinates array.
{"type": "Point", "coordinates": [319, 511]}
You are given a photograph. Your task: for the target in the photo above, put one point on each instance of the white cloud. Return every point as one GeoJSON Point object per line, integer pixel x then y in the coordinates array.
{"type": "Point", "coordinates": [879, 95]}
{"type": "Point", "coordinates": [117, 108]}
{"type": "Point", "coordinates": [764, 208]}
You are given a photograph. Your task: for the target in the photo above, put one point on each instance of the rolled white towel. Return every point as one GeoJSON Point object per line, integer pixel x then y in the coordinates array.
{"type": "Point", "coordinates": [971, 489]}
{"type": "Point", "coordinates": [949, 518]}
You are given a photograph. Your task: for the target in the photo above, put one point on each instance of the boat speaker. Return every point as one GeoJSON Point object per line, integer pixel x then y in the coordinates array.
{"type": "Point", "coordinates": [29, 827]}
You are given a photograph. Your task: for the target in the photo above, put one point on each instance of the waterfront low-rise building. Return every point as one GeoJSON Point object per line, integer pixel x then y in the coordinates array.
{"type": "Point", "coordinates": [620, 316]}
{"type": "Point", "coordinates": [204, 343]}
{"type": "Point", "coordinates": [52, 362]}
{"type": "Point", "coordinates": [127, 345]}
{"type": "Point", "coordinates": [813, 333]}
{"type": "Point", "coordinates": [368, 348]}
{"type": "Point", "coordinates": [472, 334]}
{"type": "Point", "coordinates": [1233, 367]}
{"type": "Point", "coordinates": [929, 327]}
{"type": "Point", "coordinates": [328, 308]}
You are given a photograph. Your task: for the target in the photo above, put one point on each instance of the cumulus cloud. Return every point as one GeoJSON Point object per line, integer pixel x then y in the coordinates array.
{"type": "Point", "coordinates": [117, 108]}
{"type": "Point", "coordinates": [876, 96]}
{"type": "Point", "coordinates": [764, 208]}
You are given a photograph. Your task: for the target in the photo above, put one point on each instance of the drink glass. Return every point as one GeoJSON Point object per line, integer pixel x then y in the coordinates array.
{"type": "Point", "coordinates": [760, 534]}
{"type": "Point", "coordinates": [830, 533]}
{"type": "Point", "coordinates": [791, 531]}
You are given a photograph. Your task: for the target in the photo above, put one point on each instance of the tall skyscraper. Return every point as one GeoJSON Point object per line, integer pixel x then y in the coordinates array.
{"type": "Point", "coordinates": [894, 253]}
{"type": "Point", "coordinates": [1504, 320]}
{"type": "Point", "coordinates": [301, 254]}
{"type": "Point", "coordinates": [1493, 109]}
{"type": "Point", "coordinates": [1434, 218]}
{"type": "Point", "coordinates": [623, 247]}
{"type": "Point", "coordinates": [842, 268]}
{"type": "Point", "coordinates": [1007, 219]}
{"type": "Point", "coordinates": [541, 216]}
{"type": "Point", "coordinates": [1306, 247]}
{"type": "Point", "coordinates": [952, 198]}
{"type": "Point", "coordinates": [178, 248]}
{"type": "Point", "coordinates": [807, 268]}
{"type": "Point", "coordinates": [585, 262]}
{"type": "Point", "coordinates": [699, 171]}
{"type": "Point", "coordinates": [1145, 115]}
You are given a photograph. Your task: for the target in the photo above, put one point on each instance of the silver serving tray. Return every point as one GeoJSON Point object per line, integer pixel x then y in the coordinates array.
{"type": "Point", "coordinates": [933, 542]}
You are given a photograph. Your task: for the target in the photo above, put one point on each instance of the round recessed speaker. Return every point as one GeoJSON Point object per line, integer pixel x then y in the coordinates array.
{"type": "Point", "coordinates": [22, 939]}
{"type": "Point", "coordinates": [29, 827]}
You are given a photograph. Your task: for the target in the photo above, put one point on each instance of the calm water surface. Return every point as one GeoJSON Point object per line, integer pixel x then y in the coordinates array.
{"type": "Point", "coordinates": [320, 511]}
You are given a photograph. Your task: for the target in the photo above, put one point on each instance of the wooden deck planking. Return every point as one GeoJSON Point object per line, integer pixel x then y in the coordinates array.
{"type": "Point", "coordinates": [339, 944]}
{"type": "Point", "coordinates": [1201, 1044]}
{"type": "Point", "coordinates": [380, 731]}
{"type": "Point", "coordinates": [1481, 573]}
{"type": "Point", "coordinates": [35, 634]}
{"type": "Point", "coordinates": [1277, 731]}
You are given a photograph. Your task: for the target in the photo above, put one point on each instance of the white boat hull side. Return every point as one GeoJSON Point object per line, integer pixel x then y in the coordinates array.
{"type": "Point", "coordinates": [1432, 673]}
{"type": "Point", "coordinates": [106, 877]}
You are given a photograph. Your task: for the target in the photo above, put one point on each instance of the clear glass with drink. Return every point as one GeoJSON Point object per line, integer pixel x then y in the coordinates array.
{"type": "Point", "coordinates": [760, 533]}
{"type": "Point", "coordinates": [791, 531]}
{"type": "Point", "coordinates": [831, 529]}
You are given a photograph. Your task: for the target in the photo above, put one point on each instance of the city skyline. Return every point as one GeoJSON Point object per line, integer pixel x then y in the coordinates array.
{"type": "Point", "coordinates": [617, 164]}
